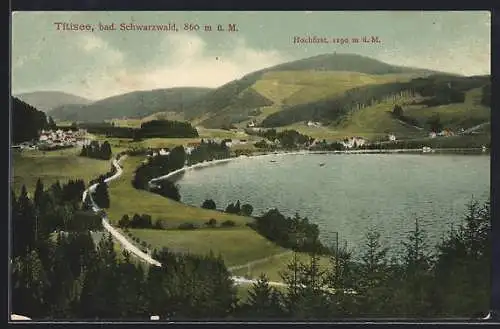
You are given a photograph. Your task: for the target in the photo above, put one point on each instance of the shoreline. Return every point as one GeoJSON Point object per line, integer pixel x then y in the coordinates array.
{"type": "Point", "coordinates": [205, 164]}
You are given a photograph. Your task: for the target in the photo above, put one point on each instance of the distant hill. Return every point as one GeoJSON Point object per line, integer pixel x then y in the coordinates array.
{"type": "Point", "coordinates": [456, 102]}
{"type": "Point", "coordinates": [48, 100]}
{"type": "Point", "coordinates": [300, 81]}
{"type": "Point", "coordinates": [136, 104]}
{"type": "Point", "coordinates": [345, 62]}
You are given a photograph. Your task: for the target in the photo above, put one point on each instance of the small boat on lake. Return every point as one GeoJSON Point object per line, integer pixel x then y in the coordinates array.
{"type": "Point", "coordinates": [322, 164]}
{"type": "Point", "coordinates": [272, 161]}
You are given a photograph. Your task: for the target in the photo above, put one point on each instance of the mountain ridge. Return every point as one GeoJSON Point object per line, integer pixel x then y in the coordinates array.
{"type": "Point", "coordinates": [47, 100]}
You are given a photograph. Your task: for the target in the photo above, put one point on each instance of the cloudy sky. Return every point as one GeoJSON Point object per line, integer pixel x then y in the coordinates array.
{"type": "Point", "coordinates": [97, 64]}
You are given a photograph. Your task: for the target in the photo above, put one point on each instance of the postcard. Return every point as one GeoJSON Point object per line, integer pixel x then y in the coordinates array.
{"type": "Point", "coordinates": [250, 166]}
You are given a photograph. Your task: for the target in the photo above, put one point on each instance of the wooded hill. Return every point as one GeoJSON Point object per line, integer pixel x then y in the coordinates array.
{"type": "Point", "coordinates": [46, 101]}
{"type": "Point", "coordinates": [26, 121]}
{"type": "Point", "coordinates": [136, 104]}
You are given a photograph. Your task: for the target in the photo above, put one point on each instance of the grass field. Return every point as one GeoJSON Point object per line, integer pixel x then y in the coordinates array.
{"type": "Point", "coordinates": [237, 245]}
{"type": "Point", "coordinates": [125, 199]}
{"type": "Point", "coordinates": [299, 87]}
{"type": "Point", "coordinates": [377, 119]}
{"type": "Point", "coordinates": [50, 166]}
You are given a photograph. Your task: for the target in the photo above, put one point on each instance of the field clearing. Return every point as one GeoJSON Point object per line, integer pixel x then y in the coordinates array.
{"type": "Point", "coordinates": [275, 265]}
{"type": "Point", "coordinates": [125, 199]}
{"type": "Point", "coordinates": [237, 245]}
{"type": "Point", "coordinates": [220, 133]}
{"type": "Point", "coordinates": [50, 166]}
{"type": "Point", "coordinates": [378, 119]}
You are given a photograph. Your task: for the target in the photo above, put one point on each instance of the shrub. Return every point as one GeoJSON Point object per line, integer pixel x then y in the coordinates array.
{"type": "Point", "coordinates": [209, 204]}
{"type": "Point", "coordinates": [158, 225]}
{"type": "Point", "coordinates": [187, 226]}
{"type": "Point", "coordinates": [144, 244]}
{"type": "Point", "coordinates": [211, 222]}
{"type": "Point", "coordinates": [228, 223]}
{"type": "Point", "coordinates": [246, 209]}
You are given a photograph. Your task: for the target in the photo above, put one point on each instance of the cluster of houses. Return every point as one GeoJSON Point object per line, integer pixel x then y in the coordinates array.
{"type": "Point", "coordinates": [189, 147]}
{"type": "Point", "coordinates": [443, 133]}
{"type": "Point", "coordinates": [353, 142]}
{"type": "Point", "coordinates": [62, 138]}
{"type": "Point", "coordinates": [54, 139]}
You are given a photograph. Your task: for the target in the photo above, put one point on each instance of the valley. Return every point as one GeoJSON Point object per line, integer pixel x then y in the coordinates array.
{"type": "Point", "coordinates": [338, 103]}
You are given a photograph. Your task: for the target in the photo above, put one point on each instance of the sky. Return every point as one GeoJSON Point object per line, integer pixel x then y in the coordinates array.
{"type": "Point", "coordinates": [96, 64]}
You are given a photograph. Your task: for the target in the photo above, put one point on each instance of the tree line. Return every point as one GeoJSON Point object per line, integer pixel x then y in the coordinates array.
{"type": "Point", "coordinates": [177, 158]}
{"type": "Point", "coordinates": [288, 139]}
{"type": "Point", "coordinates": [295, 233]}
{"type": "Point", "coordinates": [208, 151]}
{"type": "Point", "coordinates": [97, 151]}
{"type": "Point", "coordinates": [149, 129]}
{"type": "Point", "coordinates": [57, 208]}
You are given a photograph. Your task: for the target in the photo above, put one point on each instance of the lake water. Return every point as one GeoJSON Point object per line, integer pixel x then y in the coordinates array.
{"type": "Point", "coordinates": [350, 193]}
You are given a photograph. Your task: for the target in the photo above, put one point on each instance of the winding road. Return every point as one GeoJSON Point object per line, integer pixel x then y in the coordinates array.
{"type": "Point", "coordinates": [127, 245]}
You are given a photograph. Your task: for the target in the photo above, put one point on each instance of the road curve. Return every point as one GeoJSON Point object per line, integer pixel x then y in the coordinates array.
{"type": "Point", "coordinates": [115, 233]}
{"type": "Point", "coordinates": [128, 245]}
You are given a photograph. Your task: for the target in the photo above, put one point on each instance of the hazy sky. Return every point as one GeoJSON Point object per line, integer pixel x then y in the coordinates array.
{"type": "Point", "coordinates": [103, 63]}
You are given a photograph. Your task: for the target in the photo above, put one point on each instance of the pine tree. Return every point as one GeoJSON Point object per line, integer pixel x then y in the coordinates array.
{"type": "Point", "coordinates": [39, 193]}
{"type": "Point", "coordinates": [105, 151]}
{"type": "Point", "coordinates": [463, 266]}
{"type": "Point", "coordinates": [260, 299]}
{"type": "Point", "coordinates": [373, 276]}
{"type": "Point", "coordinates": [292, 278]}
{"type": "Point", "coordinates": [29, 283]}
{"type": "Point", "coordinates": [24, 236]}
{"type": "Point", "coordinates": [101, 195]}
{"type": "Point", "coordinates": [416, 277]}
{"type": "Point", "coordinates": [52, 125]}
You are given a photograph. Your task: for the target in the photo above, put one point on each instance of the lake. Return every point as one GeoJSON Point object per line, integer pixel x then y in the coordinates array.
{"type": "Point", "coordinates": [350, 193]}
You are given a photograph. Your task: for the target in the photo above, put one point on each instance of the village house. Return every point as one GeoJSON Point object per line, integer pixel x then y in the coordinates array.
{"type": "Point", "coordinates": [391, 137]}
{"type": "Point", "coordinates": [446, 133]}
{"type": "Point", "coordinates": [252, 124]}
{"type": "Point", "coordinates": [163, 152]}
{"type": "Point", "coordinates": [353, 142]}
{"type": "Point", "coordinates": [313, 124]}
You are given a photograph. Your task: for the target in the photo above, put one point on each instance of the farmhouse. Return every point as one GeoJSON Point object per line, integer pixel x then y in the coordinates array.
{"type": "Point", "coordinates": [353, 142]}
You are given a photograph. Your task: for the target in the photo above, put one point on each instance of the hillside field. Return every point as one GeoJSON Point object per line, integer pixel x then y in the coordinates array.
{"type": "Point", "coordinates": [50, 166]}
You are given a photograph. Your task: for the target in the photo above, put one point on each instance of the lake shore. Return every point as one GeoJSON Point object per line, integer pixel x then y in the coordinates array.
{"type": "Point", "coordinates": [305, 152]}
